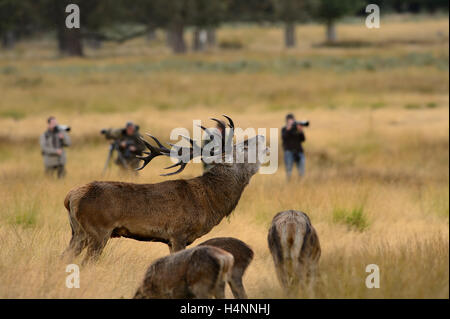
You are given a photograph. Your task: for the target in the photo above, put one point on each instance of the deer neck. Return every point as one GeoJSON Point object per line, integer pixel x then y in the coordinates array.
{"type": "Point", "coordinates": [224, 186]}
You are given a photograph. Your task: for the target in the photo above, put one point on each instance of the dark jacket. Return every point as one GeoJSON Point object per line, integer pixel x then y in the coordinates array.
{"type": "Point", "coordinates": [292, 139]}
{"type": "Point", "coordinates": [131, 140]}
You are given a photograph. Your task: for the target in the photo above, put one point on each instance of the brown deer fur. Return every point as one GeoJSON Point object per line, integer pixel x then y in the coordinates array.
{"type": "Point", "coordinates": [174, 212]}
{"type": "Point", "coordinates": [295, 248]}
{"type": "Point", "coordinates": [242, 254]}
{"type": "Point", "coordinates": [199, 272]}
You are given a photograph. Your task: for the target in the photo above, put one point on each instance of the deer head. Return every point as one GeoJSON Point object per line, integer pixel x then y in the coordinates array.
{"type": "Point", "coordinates": [220, 150]}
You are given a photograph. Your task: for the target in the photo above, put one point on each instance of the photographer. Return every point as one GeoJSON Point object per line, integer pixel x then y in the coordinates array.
{"type": "Point", "coordinates": [52, 142]}
{"type": "Point", "coordinates": [293, 137]}
{"type": "Point", "coordinates": [127, 143]}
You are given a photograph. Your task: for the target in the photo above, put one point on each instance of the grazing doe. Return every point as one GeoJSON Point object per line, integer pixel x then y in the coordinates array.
{"type": "Point", "coordinates": [295, 248]}
{"type": "Point", "coordinates": [175, 212]}
{"type": "Point", "coordinates": [199, 272]}
{"type": "Point", "coordinates": [243, 255]}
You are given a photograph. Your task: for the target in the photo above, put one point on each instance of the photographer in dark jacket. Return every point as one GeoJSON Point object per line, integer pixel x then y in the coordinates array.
{"type": "Point", "coordinates": [293, 137]}
{"type": "Point", "coordinates": [127, 143]}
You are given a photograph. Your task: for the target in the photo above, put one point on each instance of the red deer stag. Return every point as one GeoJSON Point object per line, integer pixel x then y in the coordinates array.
{"type": "Point", "coordinates": [295, 248]}
{"type": "Point", "coordinates": [174, 212]}
{"type": "Point", "coordinates": [243, 256]}
{"type": "Point", "coordinates": [199, 272]}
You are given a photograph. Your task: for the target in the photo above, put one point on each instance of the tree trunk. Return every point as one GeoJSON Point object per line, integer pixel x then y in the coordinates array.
{"type": "Point", "coordinates": [331, 32]}
{"type": "Point", "coordinates": [289, 35]}
{"type": "Point", "coordinates": [176, 39]}
{"type": "Point", "coordinates": [169, 38]}
{"type": "Point", "coordinates": [70, 41]}
{"type": "Point", "coordinates": [94, 43]}
{"type": "Point", "coordinates": [211, 37]}
{"type": "Point", "coordinates": [8, 40]}
{"type": "Point", "coordinates": [196, 43]}
{"type": "Point", "coordinates": [74, 44]}
{"type": "Point", "coordinates": [199, 39]}
{"type": "Point", "coordinates": [151, 34]}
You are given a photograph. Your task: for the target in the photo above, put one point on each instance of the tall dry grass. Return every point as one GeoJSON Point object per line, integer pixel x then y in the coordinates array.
{"type": "Point", "coordinates": [377, 183]}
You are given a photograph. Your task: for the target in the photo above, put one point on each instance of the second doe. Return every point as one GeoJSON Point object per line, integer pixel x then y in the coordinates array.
{"type": "Point", "coordinates": [295, 248]}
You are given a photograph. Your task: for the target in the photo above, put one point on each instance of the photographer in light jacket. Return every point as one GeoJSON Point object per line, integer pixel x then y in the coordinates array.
{"type": "Point", "coordinates": [53, 141]}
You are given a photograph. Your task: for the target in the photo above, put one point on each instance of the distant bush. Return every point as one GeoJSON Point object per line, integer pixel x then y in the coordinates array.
{"type": "Point", "coordinates": [13, 114]}
{"type": "Point", "coordinates": [377, 105]}
{"type": "Point", "coordinates": [412, 106]}
{"type": "Point", "coordinates": [231, 44]}
{"type": "Point", "coordinates": [355, 219]}
{"type": "Point", "coordinates": [6, 70]}
{"type": "Point", "coordinates": [25, 82]}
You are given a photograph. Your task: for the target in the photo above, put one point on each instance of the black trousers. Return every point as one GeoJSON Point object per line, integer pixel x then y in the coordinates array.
{"type": "Point", "coordinates": [59, 169]}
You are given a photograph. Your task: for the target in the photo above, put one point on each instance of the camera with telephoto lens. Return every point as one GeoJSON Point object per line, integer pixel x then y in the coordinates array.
{"type": "Point", "coordinates": [65, 128]}
{"type": "Point", "coordinates": [302, 123]}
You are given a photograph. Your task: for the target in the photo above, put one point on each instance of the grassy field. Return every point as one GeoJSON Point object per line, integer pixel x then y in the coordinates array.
{"type": "Point", "coordinates": [377, 183]}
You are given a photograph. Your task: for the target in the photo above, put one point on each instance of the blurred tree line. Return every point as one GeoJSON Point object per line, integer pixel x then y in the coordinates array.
{"type": "Point", "coordinates": [121, 20]}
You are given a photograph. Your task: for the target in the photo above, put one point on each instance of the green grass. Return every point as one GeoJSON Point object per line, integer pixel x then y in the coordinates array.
{"type": "Point", "coordinates": [27, 82]}
{"type": "Point", "coordinates": [231, 44]}
{"type": "Point", "coordinates": [412, 106]}
{"type": "Point", "coordinates": [271, 64]}
{"type": "Point", "coordinates": [7, 70]}
{"type": "Point", "coordinates": [13, 114]}
{"type": "Point", "coordinates": [24, 212]}
{"type": "Point", "coordinates": [355, 219]}
{"type": "Point", "coordinates": [24, 219]}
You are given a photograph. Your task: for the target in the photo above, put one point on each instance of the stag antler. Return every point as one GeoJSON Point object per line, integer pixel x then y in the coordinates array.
{"type": "Point", "coordinates": [154, 151]}
{"type": "Point", "coordinates": [194, 150]}
{"type": "Point", "coordinates": [225, 143]}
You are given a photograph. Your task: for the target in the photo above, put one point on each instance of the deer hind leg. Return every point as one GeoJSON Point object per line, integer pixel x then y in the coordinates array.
{"type": "Point", "coordinates": [96, 241]}
{"type": "Point", "coordinates": [77, 243]}
{"type": "Point", "coordinates": [200, 292]}
{"type": "Point", "coordinates": [237, 288]}
{"type": "Point", "coordinates": [310, 277]}
{"type": "Point", "coordinates": [294, 274]}
{"type": "Point", "coordinates": [282, 274]}
{"type": "Point", "coordinates": [219, 291]}
{"type": "Point", "coordinates": [76, 246]}
{"type": "Point", "coordinates": [224, 275]}
{"type": "Point", "coordinates": [286, 277]}
{"type": "Point", "coordinates": [95, 249]}
{"type": "Point", "coordinates": [201, 288]}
